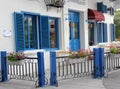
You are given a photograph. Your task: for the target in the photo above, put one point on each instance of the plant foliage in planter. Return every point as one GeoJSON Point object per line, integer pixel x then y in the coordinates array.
{"type": "Point", "coordinates": [79, 54]}
{"type": "Point", "coordinates": [16, 56]}
{"type": "Point", "coordinates": [115, 50]}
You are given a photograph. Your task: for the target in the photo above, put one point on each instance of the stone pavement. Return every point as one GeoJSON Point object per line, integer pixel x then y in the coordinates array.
{"type": "Point", "coordinates": [77, 83]}
{"type": "Point", "coordinates": [113, 80]}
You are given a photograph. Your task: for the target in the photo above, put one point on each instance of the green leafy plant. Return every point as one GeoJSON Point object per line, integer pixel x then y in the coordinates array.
{"type": "Point", "coordinates": [79, 54]}
{"type": "Point", "coordinates": [114, 50]}
{"type": "Point", "coordinates": [16, 56]}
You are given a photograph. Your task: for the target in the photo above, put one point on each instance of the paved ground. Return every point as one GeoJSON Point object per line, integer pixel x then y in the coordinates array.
{"type": "Point", "coordinates": [78, 83]}
{"type": "Point", "coordinates": [112, 82]}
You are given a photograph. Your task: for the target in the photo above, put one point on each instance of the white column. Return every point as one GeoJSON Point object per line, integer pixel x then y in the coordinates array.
{"type": "Point", "coordinates": [84, 30]}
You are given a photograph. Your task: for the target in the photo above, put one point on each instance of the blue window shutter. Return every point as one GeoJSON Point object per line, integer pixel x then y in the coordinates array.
{"type": "Point", "coordinates": [105, 38]}
{"type": "Point", "coordinates": [19, 31]}
{"type": "Point", "coordinates": [114, 32]}
{"type": "Point", "coordinates": [105, 8]}
{"type": "Point", "coordinates": [45, 32]}
{"type": "Point", "coordinates": [98, 32]}
{"type": "Point", "coordinates": [100, 6]}
{"type": "Point", "coordinates": [111, 27]}
{"type": "Point", "coordinates": [57, 32]}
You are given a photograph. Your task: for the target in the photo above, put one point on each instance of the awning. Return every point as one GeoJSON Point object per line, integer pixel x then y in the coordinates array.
{"type": "Point", "coordinates": [95, 15]}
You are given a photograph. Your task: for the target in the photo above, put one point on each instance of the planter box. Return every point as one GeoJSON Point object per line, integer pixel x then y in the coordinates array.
{"type": "Point", "coordinates": [21, 62]}
{"type": "Point", "coordinates": [115, 56]}
{"type": "Point", "coordinates": [76, 60]}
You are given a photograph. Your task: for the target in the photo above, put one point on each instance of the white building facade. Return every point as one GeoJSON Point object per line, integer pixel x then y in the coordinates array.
{"type": "Point", "coordinates": [27, 25]}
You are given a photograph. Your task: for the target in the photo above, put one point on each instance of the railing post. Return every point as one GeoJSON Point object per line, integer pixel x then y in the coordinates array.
{"type": "Point", "coordinates": [101, 59]}
{"type": "Point", "coordinates": [53, 74]}
{"type": "Point", "coordinates": [96, 63]}
{"type": "Point", "coordinates": [41, 69]}
{"type": "Point", "coordinates": [4, 67]}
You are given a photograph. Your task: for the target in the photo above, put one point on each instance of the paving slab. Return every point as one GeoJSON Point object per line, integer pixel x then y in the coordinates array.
{"type": "Point", "coordinates": [76, 83]}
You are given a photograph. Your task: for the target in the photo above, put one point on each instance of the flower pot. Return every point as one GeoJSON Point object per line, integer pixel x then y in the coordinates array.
{"type": "Point", "coordinates": [75, 60]}
{"type": "Point", "coordinates": [20, 62]}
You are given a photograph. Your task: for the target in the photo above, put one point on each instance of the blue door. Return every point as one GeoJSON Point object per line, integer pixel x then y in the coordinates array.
{"type": "Point", "coordinates": [74, 31]}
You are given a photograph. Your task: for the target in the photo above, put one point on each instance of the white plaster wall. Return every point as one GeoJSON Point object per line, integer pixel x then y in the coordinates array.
{"type": "Point", "coordinates": [8, 7]}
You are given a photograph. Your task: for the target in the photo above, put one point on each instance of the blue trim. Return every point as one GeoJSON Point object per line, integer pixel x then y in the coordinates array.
{"type": "Point", "coordinates": [30, 13]}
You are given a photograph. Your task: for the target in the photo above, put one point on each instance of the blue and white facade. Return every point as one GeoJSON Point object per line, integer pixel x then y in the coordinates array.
{"type": "Point", "coordinates": [27, 25]}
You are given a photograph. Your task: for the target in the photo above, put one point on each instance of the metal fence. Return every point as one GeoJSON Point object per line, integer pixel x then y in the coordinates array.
{"type": "Point", "coordinates": [66, 69]}
{"type": "Point", "coordinates": [112, 62]}
{"type": "Point", "coordinates": [27, 70]}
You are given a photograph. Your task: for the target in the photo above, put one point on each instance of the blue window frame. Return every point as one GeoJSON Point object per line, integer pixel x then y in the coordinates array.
{"type": "Point", "coordinates": [33, 31]}
{"type": "Point", "coordinates": [25, 31]}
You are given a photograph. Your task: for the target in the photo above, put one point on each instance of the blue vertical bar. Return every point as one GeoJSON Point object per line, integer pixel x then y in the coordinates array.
{"type": "Point", "coordinates": [53, 74]}
{"type": "Point", "coordinates": [96, 63]}
{"type": "Point", "coordinates": [4, 67]}
{"type": "Point", "coordinates": [101, 60]}
{"type": "Point", "coordinates": [41, 69]}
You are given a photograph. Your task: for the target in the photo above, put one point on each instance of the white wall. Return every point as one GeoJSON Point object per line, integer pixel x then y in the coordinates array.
{"type": "Point", "coordinates": [8, 7]}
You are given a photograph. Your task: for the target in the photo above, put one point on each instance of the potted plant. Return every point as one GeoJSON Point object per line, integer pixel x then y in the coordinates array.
{"type": "Point", "coordinates": [79, 56]}
{"type": "Point", "coordinates": [115, 51]}
{"type": "Point", "coordinates": [16, 58]}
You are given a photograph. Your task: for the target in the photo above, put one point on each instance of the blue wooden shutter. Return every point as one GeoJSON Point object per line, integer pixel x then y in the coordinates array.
{"type": "Point", "coordinates": [111, 28]}
{"type": "Point", "coordinates": [57, 32]}
{"type": "Point", "coordinates": [45, 32]}
{"type": "Point", "coordinates": [19, 31]}
{"type": "Point", "coordinates": [114, 32]}
{"type": "Point", "coordinates": [104, 9]}
{"type": "Point", "coordinates": [105, 37]}
{"type": "Point", "coordinates": [100, 6]}
{"type": "Point", "coordinates": [99, 32]}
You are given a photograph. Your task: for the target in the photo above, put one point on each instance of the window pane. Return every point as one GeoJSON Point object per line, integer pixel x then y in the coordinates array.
{"type": "Point", "coordinates": [76, 31]}
{"type": "Point", "coordinates": [52, 34]}
{"type": "Point", "coordinates": [31, 33]}
{"type": "Point", "coordinates": [26, 32]}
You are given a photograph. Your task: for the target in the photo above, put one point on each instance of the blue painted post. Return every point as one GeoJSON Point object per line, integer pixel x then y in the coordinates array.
{"type": "Point", "coordinates": [41, 69]}
{"type": "Point", "coordinates": [101, 59]}
{"type": "Point", "coordinates": [53, 74]}
{"type": "Point", "coordinates": [4, 67]}
{"type": "Point", "coordinates": [96, 63]}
